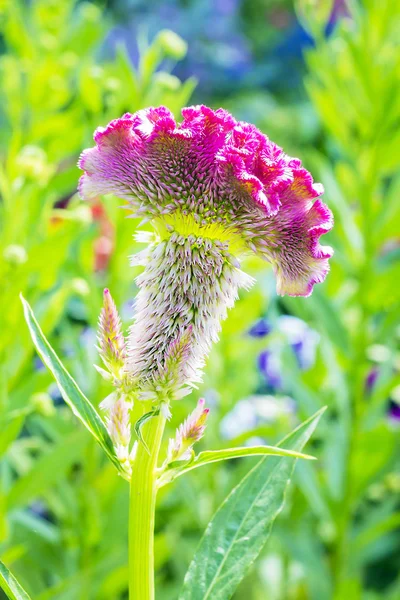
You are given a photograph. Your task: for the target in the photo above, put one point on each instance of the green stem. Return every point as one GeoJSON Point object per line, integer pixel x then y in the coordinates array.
{"type": "Point", "coordinates": [142, 512]}
{"type": "Point", "coordinates": [342, 562]}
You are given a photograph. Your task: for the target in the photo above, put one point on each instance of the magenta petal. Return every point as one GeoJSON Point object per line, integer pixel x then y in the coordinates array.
{"type": "Point", "coordinates": [294, 233]}
{"type": "Point", "coordinates": [256, 163]}
{"type": "Point", "coordinates": [152, 122]}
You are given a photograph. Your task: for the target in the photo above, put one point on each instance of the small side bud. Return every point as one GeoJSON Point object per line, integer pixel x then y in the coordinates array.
{"type": "Point", "coordinates": [190, 432]}
{"type": "Point", "coordinates": [119, 428]}
{"type": "Point", "coordinates": [111, 339]}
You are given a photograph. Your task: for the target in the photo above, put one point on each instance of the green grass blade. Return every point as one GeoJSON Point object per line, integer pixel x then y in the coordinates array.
{"type": "Point", "coordinates": [73, 396]}
{"type": "Point", "coordinates": [238, 531]}
{"type": "Point", "coordinates": [10, 585]}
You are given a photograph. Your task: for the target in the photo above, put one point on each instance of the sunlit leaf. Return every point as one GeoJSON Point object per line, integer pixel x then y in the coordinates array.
{"type": "Point", "coordinates": [212, 456]}
{"type": "Point", "coordinates": [10, 585]}
{"type": "Point", "coordinates": [238, 531]}
{"type": "Point", "coordinates": [73, 396]}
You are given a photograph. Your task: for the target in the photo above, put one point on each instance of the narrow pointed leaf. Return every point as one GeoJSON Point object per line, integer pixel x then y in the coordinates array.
{"type": "Point", "coordinates": [212, 456]}
{"type": "Point", "coordinates": [73, 396]}
{"type": "Point", "coordinates": [10, 585]}
{"type": "Point", "coordinates": [238, 531]}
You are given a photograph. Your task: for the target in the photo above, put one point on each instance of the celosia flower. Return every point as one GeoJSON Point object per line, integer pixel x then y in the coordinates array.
{"type": "Point", "coordinates": [190, 432]}
{"type": "Point", "coordinates": [214, 189]}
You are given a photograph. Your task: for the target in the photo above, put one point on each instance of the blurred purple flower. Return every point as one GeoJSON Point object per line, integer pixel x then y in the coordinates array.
{"type": "Point", "coordinates": [253, 411]}
{"type": "Point", "coordinates": [40, 510]}
{"type": "Point", "coordinates": [287, 331]}
{"type": "Point", "coordinates": [394, 413]}
{"type": "Point", "coordinates": [269, 365]}
{"type": "Point", "coordinates": [38, 364]}
{"type": "Point", "coordinates": [88, 338]}
{"type": "Point", "coordinates": [55, 394]}
{"type": "Point", "coordinates": [240, 419]}
{"type": "Point", "coordinates": [302, 339]}
{"type": "Point", "coordinates": [393, 407]}
{"type": "Point", "coordinates": [260, 328]}
{"type": "Point", "coordinates": [371, 379]}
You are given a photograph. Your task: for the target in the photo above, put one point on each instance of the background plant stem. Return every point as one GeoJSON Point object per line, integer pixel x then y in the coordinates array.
{"type": "Point", "coordinates": [142, 512]}
{"type": "Point", "coordinates": [343, 561]}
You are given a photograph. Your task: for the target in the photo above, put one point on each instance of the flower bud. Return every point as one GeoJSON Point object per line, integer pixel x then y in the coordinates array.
{"type": "Point", "coordinates": [119, 423]}
{"type": "Point", "coordinates": [110, 337]}
{"type": "Point", "coordinates": [119, 428]}
{"type": "Point", "coordinates": [190, 432]}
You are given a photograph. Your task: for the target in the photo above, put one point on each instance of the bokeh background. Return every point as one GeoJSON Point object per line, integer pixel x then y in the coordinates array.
{"type": "Point", "coordinates": [322, 79]}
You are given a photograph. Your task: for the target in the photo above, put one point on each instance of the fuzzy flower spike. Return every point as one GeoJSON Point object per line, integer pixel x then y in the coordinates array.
{"type": "Point", "coordinates": [214, 189]}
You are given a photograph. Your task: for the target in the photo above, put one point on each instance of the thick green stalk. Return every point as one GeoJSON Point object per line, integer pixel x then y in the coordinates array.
{"type": "Point", "coordinates": [142, 512]}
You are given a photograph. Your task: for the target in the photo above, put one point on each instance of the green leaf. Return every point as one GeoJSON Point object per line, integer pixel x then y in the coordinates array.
{"type": "Point", "coordinates": [10, 585]}
{"type": "Point", "coordinates": [140, 422]}
{"type": "Point", "coordinates": [10, 431]}
{"type": "Point", "coordinates": [327, 314]}
{"type": "Point", "coordinates": [238, 531]}
{"type": "Point", "coordinates": [212, 456]}
{"type": "Point", "coordinates": [48, 469]}
{"type": "Point", "coordinates": [370, 534]}
{"type": "Point", "coordinates": [73, 396]}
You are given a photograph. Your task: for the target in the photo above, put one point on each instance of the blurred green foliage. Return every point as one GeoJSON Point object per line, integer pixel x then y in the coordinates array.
{"type": "Point", "coordinates": [63, 511]}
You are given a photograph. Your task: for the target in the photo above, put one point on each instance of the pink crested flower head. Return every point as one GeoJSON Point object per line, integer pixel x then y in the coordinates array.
{"type": "Point", "coordinates": [215, 177]}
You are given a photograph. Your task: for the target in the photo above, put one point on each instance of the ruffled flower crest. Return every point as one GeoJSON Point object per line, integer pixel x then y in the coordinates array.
{"type": "Point", "coordinates": [216, 175]}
